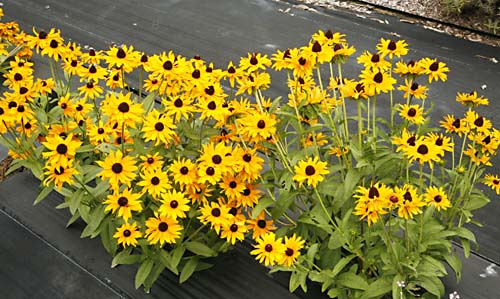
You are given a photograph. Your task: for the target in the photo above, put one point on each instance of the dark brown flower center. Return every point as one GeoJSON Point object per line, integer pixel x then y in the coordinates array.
{"type": "Point", "coordinates": [100, 131]}
{"type": "Point", "coordinates": [434, 66]}
{"type": "Point", "coordinates": [20, 109]}
{"type": "Point", "coordinates": [231, 70]}
{"type": "Point", "coordinates": [378, 78]}
{"type": "Point", "coordinates": [456, 123]}
{"type": "Point", "coordinates": [412, 112]}
{"type": "Point", "coordinates": [337, 47]}
{"type": "Point", "coordinates": [210, 90]}
{"type": "Point", "coordinates": [144, 58]}
{"type": "Point", "coordinates": [233, 184]}
{"type": "Point", "coordinates": [123, 107]}
{"type": "Point", "coordinates": [310, 170]}
{"type": "Point", "coordinates": [375, 58]}
{"type": "Point", "coordinates": [122, 201]}
{"type": "Point", "coordinates": [268, 248]}
{"type": "Point", "coordinates": [289, 252]}
{"type": "Point", "coordinates": [216, 212]}
{"type": "Point", "coordinates": [121, 53]}
{"type": "Point", "coordinates": [64, 105]}
{"type": "Point", "coordinates": [234, 227]}
{"type": "Point", "coordinates": [117, 168]}
{"type": "Point", "coordinates": [178, 103]}
{"type": "Point", "coordinates": [27, 126]}
{"type": "Point", "coordinates": [18, 77]}
{"type": "Point", "coordinates": [393, 199]}
{"type": "Point", "coordinates": [261, 124]}
{"type": "Point", "coordinates": [212, 105]}
{"type": "Point", "coordinates": [246, 192]}
{"type": "Point", "coordinates": [54, 44]}
{"type": "Point", "coordinates": [196, 74]}
{"type": "Point", "coordinates": [414, 86]}
{"type": "Point", "coordinates": [373, 192]}
{"type": "Point", "coordinates": [42, 35]}
{"type": "Point", "coordinates": [174, 204]}
{"type": "Point", "coordinates": [92, 69]}
{"type": "Point", "coordinates": [439, 141]}
{"type": "Point", "coordinates": [233, 211]}
{"type": "Point", "coordinates": [216, 159]}
{"type": "Point", "coordinates": [329, 34]}
{"type": "Point", "coordinates": [127, 233]}
{"type": "Point", "coordinates": [61, 149]}
{"type": "Point", "coordinates": [407, 196]}
{"type": "Point", "coordinates": [438, 198]}
{"type": "Point", "coordinates": [487, 140]}
{"type": "Point", "coordinates": [496, 182]}
{"type": "Point", "coordinates": [90, 85]}
{"type": "Point", "coordinates": [163, 227]}
{"type": "Point", "coordinates": [167, 65]}
{"type": "Point", "coordinates": [79, 107]}
{"type": "Point", "coordinates": [360, 87]}
{"type": "Point", "coordinates": [59, 171]}
{"type": "Point", "coordinates": [155, 180]}
{"type": "Point", "coordinates": [392, 45]}
{"type": "Point", "coordinates": [12, 104]}
{"type": "Point", "coordinates": [261, 223]}
{"type": "Point", "coordinates": [210, 171]}
{"type": "Point", "coordinates": [159, 126]}
{"type": "Point", "coordinates": [23, 90]}
{"type": "Point", "coordinates": [253, 60]}
{"type": "Point", "coordinates": [479, 122]}
{"type": "Point", "coordinates": [302, 61]}
{"type": "Point", "coordinates": [247, 158]}
{"type": "Point", "coordinates": [423, 149]}
{"type": "Point", "coordinates": [286, 54]}
{"type": "Point", "coordinates": [184, 170]}
{"type": "Point", "coordinates": [316, 47]}
{"type": "Point", "coordinates": [150, 160]}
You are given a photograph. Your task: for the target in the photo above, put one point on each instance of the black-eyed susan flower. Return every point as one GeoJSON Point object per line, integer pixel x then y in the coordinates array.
{"type": "Point", "coordinates": [98, 133]}
{"type": "Point", "coordinates": [232, 186]}
{"type": "Point", "coordinates": [155, 182]}
{"type": "Point", "coordinates": [162, 229]}
{"type": "Point", "coordinates": [311, 171]}
{"type": "Point", "coordinates": [435, 69]}
{"type": "Point", "coordinates": [254, 62]}
{"type": "Point", "coordinates": [268, 249]}
{"type": "Point", "coordinates": [424, 152]}
{"type": "Point", "coordinates": [92, 56]}
{"type": "Point", "coordinates": [183, 172]}
{"type": "Point", "coordinates": [248, 163]}
{"type": "Point", "coordinates": [373, 61]}
{"type": "Point", "coordinates": [413, 89]}
{"type": "Point", "coordinates": [292, 247]}
{"type": "Point", "coordinates": [371, 202]}
{"type": "Point", "coordinates": [329, 37]}
{"type": "Point", "coordinates": [412, 113]}
{"type": "Point", "coordinates": [377, 81]}
{"type": "Point", "coordinates": [471, 99]}
{"type": "Point", "coordinates": [124, 202]}
{"type": "Point", "coordinates": [92, 73]}
{"type": "Point", "coordinates": [58, 174]}
{"type": "Point", "coordinates": [122, 57]}
{"type": "Point", "coordinates": [61, 150]}
{"type": "Point", "coordinates": [179, 108]}
{"type": "Point", "coordinates": [91, 90]}
{"type": "Point", "coordinates": [301, 63]}
{"type": "Point", "coordinates": [257, 126]}
{"type": "Point", "coordinates": [215, 214]}
{"type": "Point", "coordinates": [437, 197]}
{"type": "Point", "coordinates": [410, 69]}
{"type": "Point", "coordinates": [477, 122]}
{"type": "Point", "coordinates": [477, 157]}
{"type": "Point", "coordinates": [442, 142]}
{"type": "Point", "coordinates": [234, 231]}
{"type": "Point", "coordinates": [454, 125]}
{"type": "Point", "coordinates": [249, 196]}
{"type": "Point", "coordinates": [118, 169]}
{"type": "Point", "coordinates": [412, 202]}
{"type": "Point", "coordinates": [391, 48]}
{"type": "Point", "coordinates": [251, 83]}
{"type": "Point", "coordinates": [127, 234]}
{"type": "Point", "coordinates": [158, 128]}
{"type": "Point", "coordinates": [122, 109]}
{"type": "Point", "coordinates": [320, 53]}
{"type": "Point", "coordinates": [260, 226]}
{"type": "Point", "coordinates": [151, 161]}
{"type": "Point", "coordinates": [174, 204]}
{"type": "Point", "coordinates": [282, 60]}
{"type": "Point", "coordinates": [492, 181]}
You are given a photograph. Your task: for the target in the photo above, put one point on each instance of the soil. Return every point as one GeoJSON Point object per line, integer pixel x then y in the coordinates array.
{"type": "Point", "coordinates": [471, 24]}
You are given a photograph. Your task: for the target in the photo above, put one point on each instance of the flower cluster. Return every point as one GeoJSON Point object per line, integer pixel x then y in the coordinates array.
{"type": "Point", "coordinates": [196, 158]}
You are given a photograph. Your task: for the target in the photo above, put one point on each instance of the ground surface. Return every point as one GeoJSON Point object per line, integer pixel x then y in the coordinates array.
{"type": "Point", "coordinates": [220, 31]}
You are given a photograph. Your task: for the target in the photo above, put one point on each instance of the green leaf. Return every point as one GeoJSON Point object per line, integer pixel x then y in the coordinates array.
{"type": "Point", "coordinates": [378, 288]}
{"type": "Point", "coordinates": [455, 263]}
{"type": "Point", "coordinates": [311, 252]}
{"type": "Point", "coordinates": [177, 255]}
{"type": "Point", "coordinates": [43, 193]}
{"type": "Point", "coordinates": [264, 202]}
{"type": "Point", "coordinates": [396, 289]}
{"type": "Point", "coordinates": [86, 148]}
{"type": "Point", "coordinates": [341, 265]}
{"type": "Point", "coordinates": [125, 258]}
{"type": "Point", "coordinates": [188, 269]}
{"type": "Point", "coordinates": [464, 233]}
{"type": "Point", "coordinates": [200, 249]}
{"type": "Point", "coordinates": [298, 278]}
{"type": "Point", "coordinates": [336, 240]}
{"type": "Point", "coordinates": [143, 272]}
{"type": "Point", "coordinates": [148, 102]}
{"type": "Point", "coordinates": [334, 293]}
{"type": "Point", "coordinates": [352, 281]}
{"type": "Point", "coordinates": [283, 202]}
{"type": "Point", "coordinates": [433, 285]}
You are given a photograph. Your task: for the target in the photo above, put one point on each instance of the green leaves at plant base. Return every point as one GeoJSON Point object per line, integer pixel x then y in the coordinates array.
{"type": "Point", "coordinates": [353, 281]}
{"type": "Point", "coordinates": [43, 194]}
{"type": "Point", "coordinates": [378, 288]}
{"type": "Point", "coordinates": [455, 263]}
{"type": "Point", "coordinates": [200, 249]}
{"type": "Point", "coordinates": [298, 278]}
{"type": "Point", "coordinates": [143, 272]}
{"type": "Point", "coordinates": [188, 269]}
{"type": "Point", "coordinates": [125, 258]}
{"type": "Point", "coordinates": [336, 240]}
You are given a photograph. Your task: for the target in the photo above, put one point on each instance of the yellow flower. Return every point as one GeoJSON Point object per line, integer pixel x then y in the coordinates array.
{"type": "Point", "coordinates": [492, 181]}
{"type": "Point", "coordinates": [293, 245]}
{"type": "Point", "coordinates": [155, 182]}
{"type": "Point", "coordinates": [412, 113]}
{"type": "Point", "coordinates": [183, 172]}
{"type": "Point", "coordinates": [234, 231]}
{"type": "Point", "coordinates": [260, 226]}
{"type": "Point", "coordinates": [124, 202]}
{"type": "Point", "coordinates": [412, 202]}
{"type": "Point", "coordinates": [254, 62]}
{"type": "Point", "coordinates": [118, 169]}
{"type": "Point", "coordinates": [174, 204]}
{"type": "Point", "coordinates": [268, 249]}
{"type": "Point", "coordinates": [377, 81]}
{"type": "Point", "coordinates": [437, 197]}
{"type": "Point", "coordinates": [61, 149]}
{"type": "Point", "coordinates": [436, 70]}
{"type": "Point", "coordinates": [414, 89]}
{"type": "Point", "coordinates": [375, 62]}
{"type": "Point", "coordinates": [471, 99]}
{"type": "Point", "coordinates": [158, 128]}
{"type": "Point", "coordinates": [311, 171]}
{"type": "Point", "coordinates": [59, 174]}
{"type": "Point", "coordinates": [162, 229]}
{"type": "Point", "coordinates": [392, 48]}
{"type": "Point", "coordinates": [127, 234]}
{"type": "Point", "coordinates": [215, 214]}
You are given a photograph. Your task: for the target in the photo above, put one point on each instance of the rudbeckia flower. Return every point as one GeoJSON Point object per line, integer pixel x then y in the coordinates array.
{"type": "Point", "coordinates": [118, 169]}
{"type": "Point", "coordinates": [260, 226]}
{"type": "Point", "coordinates": [174, 204]}
{"type": "Point", "coordinates": [293, 245]}
{"type": "Point", "coordinates": [215, 214]}
{"type": "Point", "coordinates": [62, 150]}
{"type": "Point", "coordinates": [162, 229]}
{"type": "Point", "coordinates": [127, 234]}
{"type": "Point", "coordinates": [158, 128]}
{"type": "Point", "coordinates": [435, 69]}
{"type": "Point", "coordinates": [268, 249]}
{"type": "Point", "coordinates": [154, 182]}
{"type": "Point", "coordinates": [234, 231]}
{"type": "Point", "coordinates": [124, 202]}
{"type": "Point", "coordinates": [412, 113]}
{"type": "Point", "coordinates": [392, 48]}
{"type": "Point", "coordinates": [310, 171]}
{"type": "Point", "coordinates": [435, 196]}
{"type": "Point", "coordinates": [492, 181]}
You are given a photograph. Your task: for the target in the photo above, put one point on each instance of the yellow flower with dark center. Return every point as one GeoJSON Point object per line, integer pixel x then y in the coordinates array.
{"type": "Point", "coordinates": [412, 113]}
{"type": "Point", "coordinates": [151, 161]}
{"type": "Point", "coordinates": [435, 69]}
{"type": "Point", "coordinates": [219, 156]}
{"type": "Point", "coordinates": [374, 62]}
{"type": "Point", "coordinates": [234, 231]}
{"type": "Point", "coordinates": [55, 48]}
{"type": "Point", "coordinates": [174, 204]}
{"type": "Point", "coordinates": [377, 82]}
{"type": "Point", "coordinates": [183, 172]}
{"type": "Point", "coordinates": [292, 247]}
{"type": "Point", "coordinates": [155, 182]}
{"type": "Point", "coordinates": [127, 234]}
{"type": "Point", "coordinates": [82, 109]}
{"type": "Point", "coordinates": [302, 64]}
{"type": "Point", "coordinates": [209, 173]}
{"type": "Point", "coordinates": [442, 142]}
{"type": "Point", "coordinates": [412, 202]}
{"type": "Point", "coordinates": [250, 83]}
{"type": "Point", "coordinates": [179, 108]}
{"type": "Point", "coordinates": [122, 57]}
{"type": "Point", "coordinates": [257, 126]}
{"type": "Point", "coordinates": [91, 56]}
{"type": "Point", "coordinates": [92, 73]}
{"type": "Point", "coordinates": [424, 152]}
{"type": "Point", "coordinates": [478, 157]}
{"type": "Point", "coordinates": [212, 108]}
{"type": "Point", "coordinates": [114, 79]}
{"type": "Point", "coordinates": [413, 89]}
{"type": "Point", "coordinates": [435, 196]}
{"type": "Point", "coordinates": [489, 141]}
{"type": "Point", "coordinates": [91, 90]}
{"type": "Point", "coordinates": [62, 150]}
{"type": "Point", "coordinates": [454, 125]}
{"type": "Point", "coordinates": [310, 171]}
{"type": "Point", "coordinates": [371, 202]}
{"type": "Point", "coordinates": [122, 109]}
{"type": "Point", "coordinates": [314, 139]}
{"type": "Point", "coordinates": [338, 151]}
{"type": "Point", "coordinates": [477, 122]}
{"type": "Point", "coordinates": [72, 66]}
{"type": "Point", "coordinates": [215, 214]}
{"type": "Point", "coordinates": [98, 133]}
{"type": "Point", "coordinates": [254, 62]}
{"type": "Point", "coordinates": [232, 186]}
{"type": "Point", "coordinates": [471, 99]}
{"type": "Point", "coordinates": [247, 163]}
{"type": "Point", "coordinates": [410, 69]}
{"type": "Point", "coordinates": [158, 128]}
{"type": "Point", "coordinates": [27, 127]}
{"type": "Point", "coordinates": [282, 60]}
{"type": "Point", "coordinates": [199, 193]}
{"type": "Point", "coordinates": [492, 181]}
{"type": "Point", "coordinates": [268, 249]}
{"type": "Point", "coordinates": [231, 73]}
{"type": "Point", "coordinates": [59, 175]}
{"type": "Point", "coordinates": [329, 37]}
{"type": "Point", "coordinates": [124, 202]}
{"type": "Point", "coordinates": [318, 52]}
{"type": "Point", "coordinates": [66, 105]}
{"type": "Point", "coordinates": [118, 169]}
{"type": "Point", "coordinates": [299, 84]}
{"type": "Point", "coordinates": [249, 196]}
{"type": "Point", "coordinates": [18, 77]}
{"type": "Point", "coordinates": [392, 48]}
{"type": "Point", "coordinates": [260, 226]}
{"type": "Point", "coordinates": [167, 66]}
{"type": "Point", "coordinates": [24, 92]}
{"type": "Point", "coordinates": [162, 229]}
{"type": "Point", "coordinates": [353, 90]}
{"type": "Point", "coordinates": [342, 51]}
{"type": "Point", "coordinates": [394, 199]}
